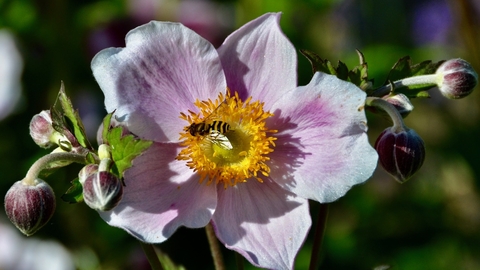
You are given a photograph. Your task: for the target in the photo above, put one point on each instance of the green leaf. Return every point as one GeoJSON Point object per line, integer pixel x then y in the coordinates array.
{"type": "Point", "coordinates": [405, 68]}
{"type": "Point", "coordinates": [72, 119]}
{"type": "Point", "coordinates": [106, 126]}
{"type": "Point", "coordinates": [319, 64]}
{"type": "Point", "coordinates": [358, 75]}
{"type": "Point", "coordinates": [75, 193]}
{"type": "Point", "coordinates": [124, 149]}
{"type": "Point", "coordinates": [342, 71]}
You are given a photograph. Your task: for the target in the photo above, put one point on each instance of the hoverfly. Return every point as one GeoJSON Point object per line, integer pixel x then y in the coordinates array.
{"type": "Point", "coordinates": [213, 130]}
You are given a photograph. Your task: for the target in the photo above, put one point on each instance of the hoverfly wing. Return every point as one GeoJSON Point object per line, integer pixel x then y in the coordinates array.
{"type": "Point", "coordinates": [220, 139]}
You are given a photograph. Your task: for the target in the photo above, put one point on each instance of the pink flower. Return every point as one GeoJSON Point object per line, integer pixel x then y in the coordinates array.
{"type": "Point", "coordinates": [251, 178]}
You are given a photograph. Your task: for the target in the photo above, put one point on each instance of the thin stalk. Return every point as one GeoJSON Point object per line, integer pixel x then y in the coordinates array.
{"type": "Point", "coordinates": [430, 79]}
{"type": "Point", "coordinates": [319, 233]}
{"type": "Point", "coordinates": [152, 257]}
{"type": "Point", "coordinates": [44, 161]}
{"type": "Point", "coordinates": [398, 124]}
{"type": "Point", "coordinates": [239, 261]}
{"type": "Point", "coordinates": [214, 248]}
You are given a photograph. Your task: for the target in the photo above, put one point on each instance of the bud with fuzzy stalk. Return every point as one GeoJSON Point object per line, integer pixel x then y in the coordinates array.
{"type": "Point", "coordinates": [42, 131]}
{"type": "Point", "coordinates": [30, 203]}
{"type": "Point", "coordinates": [457, 78]}
{"type": "Point", "coordinates": [401, 153]}
{"type": "Point", "coordinates": [30, 206]}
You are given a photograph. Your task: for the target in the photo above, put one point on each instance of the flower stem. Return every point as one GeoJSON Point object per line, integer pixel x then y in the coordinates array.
{"type": "Point", "coordinates": [214, 248]}
{"type": "Point", "coordinates": [152, 257]}
{"type": "Point", "coordinates": [415, 80]}
{"type": "Point", "coordinates": [44, 161]}
{"type": "Point", "coordinates": [384, 105]}
{"type": "Point", "coordinates": [239, 261]}
{"type": "Point", "coordinates": [319, 233]}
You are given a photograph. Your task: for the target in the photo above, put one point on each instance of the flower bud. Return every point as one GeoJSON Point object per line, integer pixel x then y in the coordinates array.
{"type": "Point", "coordinates": [41, 129]}
{"type": "Point", "coordinates": [102, 191]}
{"type": "Point", "coordinates": [400, 154]}
{"type": "Point", "coordinates": [30, 207]}
{"type": "Point", "coordinates": [86, 171]}
{"type": "Point", "coordinates": [401, 103]}
{"type": "Point", "coordinates": [457, 78]}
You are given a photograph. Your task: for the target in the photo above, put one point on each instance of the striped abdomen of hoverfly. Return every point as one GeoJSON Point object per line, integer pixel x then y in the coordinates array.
{"type": "Point", "coordinates": [203, 128]}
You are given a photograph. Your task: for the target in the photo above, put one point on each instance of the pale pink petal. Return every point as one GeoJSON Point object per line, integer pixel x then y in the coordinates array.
{"type": "Point", "coordinates": [263, 222]}
{"type": "Point", "coordinates": [11, 67]}
{"type": "Point", "coordinates": [160, 195]}
{"type": "Point", "coordinates": [162, 70]}
{"type": "Point", "coordinates": [322, 148]}
{"type": "Point", "coordinates": [259, 61]}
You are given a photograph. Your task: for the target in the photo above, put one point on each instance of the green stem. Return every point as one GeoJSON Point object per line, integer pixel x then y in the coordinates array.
{"type": "Point", "coordinates": [239, 261]}
{"type": "Point", "coordinates": [152, 257]}
{"type": "Point", "coordinates": [319, 233]}
{"type": "Point", "coordinates": [44, 161]}
{"type": "Point", "coordinates": [430, 79]}
{"type": "Point", "coordinates": [384, 105]}
{"type": "Point", "coordinates": [214, 248]}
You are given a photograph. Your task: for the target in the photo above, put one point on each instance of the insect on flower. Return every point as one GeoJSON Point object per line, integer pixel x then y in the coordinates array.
{"type": "Point", "coordinates": [213, 130]}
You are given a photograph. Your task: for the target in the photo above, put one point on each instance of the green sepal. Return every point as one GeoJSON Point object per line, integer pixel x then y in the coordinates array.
{"type": "Point", "coordinates": [72, 119]}
{"type": "Point", "coordinates": [75, 193]}
{"type": "Point", "coordinates": [124, 149]}
{"type": "Point", "coordinates": [90, 158]}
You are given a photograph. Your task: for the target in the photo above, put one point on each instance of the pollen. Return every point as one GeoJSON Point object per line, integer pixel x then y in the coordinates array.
{"type": "Point", "coordinates": [227, 141]}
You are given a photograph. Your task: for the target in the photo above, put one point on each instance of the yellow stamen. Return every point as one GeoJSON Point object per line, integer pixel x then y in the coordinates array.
{"type": "Point", "coordinates": [227, 141]}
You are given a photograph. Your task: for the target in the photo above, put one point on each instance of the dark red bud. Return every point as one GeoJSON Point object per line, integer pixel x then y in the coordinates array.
{"type": "Point", "coordinates": [30, 207]}
{"type": "Point", "coordinates": [102, 191]}
{"type": "Point", "coordinates": [458, 78]}
{"type": "Point", "coordinates": [400, 154]}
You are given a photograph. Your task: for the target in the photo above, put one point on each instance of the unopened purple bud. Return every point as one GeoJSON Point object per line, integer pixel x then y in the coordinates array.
{"type": "Point", "coordinates": [86, 171]}
{"type": "Point", "coordinates": [102, 191]}
{"type": "Point", "coordinates": [30, 207]}
{"type": "Point", "coordinates": [458, 78]}
{"type": "Point", "coordinates": [41, 129]}
{"type": "Point", "coordinates": [401, 103]}
{"type": "Point", "coordinates": [400, 154]}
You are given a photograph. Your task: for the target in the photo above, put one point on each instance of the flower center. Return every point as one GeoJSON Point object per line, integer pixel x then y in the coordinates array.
{"type": "Point", "coordinates": [227, 141]}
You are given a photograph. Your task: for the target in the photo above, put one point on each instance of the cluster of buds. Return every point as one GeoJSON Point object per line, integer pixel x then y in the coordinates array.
{"type": "Point", "coordinates": [30, 203]}
{"type": "Point", "coordinates": [401, 150]}
{"type": "Point", "coordinates": [102, 190]}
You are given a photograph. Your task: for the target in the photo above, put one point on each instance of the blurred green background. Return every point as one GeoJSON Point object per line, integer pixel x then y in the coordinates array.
{"type": "Point", "coordinates": [430, 222]}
